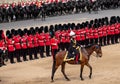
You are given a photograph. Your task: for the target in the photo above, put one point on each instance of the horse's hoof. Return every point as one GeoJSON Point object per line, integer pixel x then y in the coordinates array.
{"type": "Point", "coordinates": [68, 79]}
{"type": "Point", "coordinates": [52, 81]}
{"type": "Point", "coordinates": [90, 77]}
{"type": "Point", "coordinates": [82, 79]}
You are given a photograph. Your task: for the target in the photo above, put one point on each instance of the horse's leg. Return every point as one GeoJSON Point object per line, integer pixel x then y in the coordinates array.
{"type": "Point", "coordinates": [63, 70]}
{"type": "Point", "coordinates": [82, 66]}
{"type": "Point", "coordinates": [54, 68]}
{"type": "Point", "coordinates": [90, 69]}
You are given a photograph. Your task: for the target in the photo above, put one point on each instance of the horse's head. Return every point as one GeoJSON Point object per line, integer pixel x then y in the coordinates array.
{"type": "Point", "coordinates": [98, 50]}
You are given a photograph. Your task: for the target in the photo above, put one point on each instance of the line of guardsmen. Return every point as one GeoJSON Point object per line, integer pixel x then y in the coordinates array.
{"type": "Point", "coordinates": [27, 42]}
{"type": "Point", "coordinates": [50, 39]}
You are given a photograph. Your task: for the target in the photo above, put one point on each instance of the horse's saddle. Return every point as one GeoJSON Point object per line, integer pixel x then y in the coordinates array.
{"type": "Point", "coordinates": [70, 57]}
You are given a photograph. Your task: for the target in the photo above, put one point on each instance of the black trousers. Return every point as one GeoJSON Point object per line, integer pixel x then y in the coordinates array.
{"type": "Point", "coordinates": [18, 54]}
{"type": "Point", "coordinates": [101, 41]}
{"type": "Point", "coordinates": [24, 54]}
{"type": "Point", "coordinates": [75, 55]}
{"type": "Point", "coordinates": [96, 41]}
{"type": "Point", "coordinates": [108, 39]}
{"type": "Point", "coordinates": [47, 50]}
{"type": "Point", "coordinates": [11, 56]}
{"type": "Point", "coordinates": [86, 42]}
{"type": "Point", "coordinates": [35, 52]}
{"type": "Point", "coordinates": [104, 40]}
{"type": "Point", "coordinates": [91, 41]}
{"type": "Point", "coordinates": [112, 39]}
{"type": "Point", "coordinates": [30, 51]}
{"type": "Point", "coordinates": [116, 38]}
{"type": "Point", "coordinates": [41, 50]}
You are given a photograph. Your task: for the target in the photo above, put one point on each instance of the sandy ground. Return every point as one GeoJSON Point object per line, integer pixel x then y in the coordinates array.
{"type": "Point", "coordinates": [106, 70]}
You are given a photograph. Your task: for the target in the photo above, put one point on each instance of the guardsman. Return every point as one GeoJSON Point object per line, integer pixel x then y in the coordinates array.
{"type": "Point", "coordinates": [112, 30]}
{"type": "Point", "coordinates": [82, 35]}
{"type": "Point", "coordinates": [95, 34]}
{"type": "Point", "coordinates": [36, 45]}
{"type": "Point", "coordinates": [100, 34]}
{"type": "Point", "coordinates": [47, 41]}
{"type": "Point", "coordinates": [78, 37]}
{"type": "Point", "coordinates": [2, 43]}
{"type": "Point", "coordinates": [24, 47]}
{"type": "Point", "coordinates": [91, 35]}
{"type": "Point", "coordinates": [11, 48]}
{"type": "Point", "coordinates": [108, 34]}
{"type": "Point", "coordinates": [117, 32]}
{"type": "Point", "coordinates": [58, 35]}
{"type": "Point", "coordinates": [17, 47]}
{"type": "Point", "coordinates": [63, 39]}
{"type": "Point", "coordinates": [54, 46]}
{"type": "Point", "coordinates": [104, 30]}
{"type": "Point", "coordinates": [67, 39]}
{"type": "Point", "coordinates": [30, 45]}
{"type": "Point", "coordinates": [87, 35]}
{"type": "Point", "coordinates": [41, 42]}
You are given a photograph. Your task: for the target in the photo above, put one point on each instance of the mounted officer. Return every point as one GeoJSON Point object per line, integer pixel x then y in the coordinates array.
{"type": "Point", "coordinates": [73, 51]}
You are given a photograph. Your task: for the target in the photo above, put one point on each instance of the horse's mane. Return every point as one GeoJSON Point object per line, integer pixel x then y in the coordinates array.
{"type": "Point", "coordinates": [89, 45]}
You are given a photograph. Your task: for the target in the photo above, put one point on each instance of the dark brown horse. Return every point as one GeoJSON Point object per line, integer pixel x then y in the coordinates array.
{"type": "Point", "coordinates": [84, 61]}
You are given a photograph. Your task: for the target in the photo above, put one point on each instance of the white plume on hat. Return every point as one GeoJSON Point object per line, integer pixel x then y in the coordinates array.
{"type": "Point", "coordinates": [72, 33]}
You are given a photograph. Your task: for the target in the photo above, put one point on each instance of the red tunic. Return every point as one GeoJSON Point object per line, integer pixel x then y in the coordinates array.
{"type": "Point", "coordinates": [35, 41]}
{"type": "Point", "coordinates": [67, 37]}
{"type": "Point", "coordinates": [91, 33]}
{"type": "Point", "coordinates": [117, 29]}
{"type": "Point", "coordinates": [95, 33]}
{"type": "Point", "coordinates": [57, 35]}
{"type": "Point", "coordinates": [108, 30]}
{"type": "Point", "coordinates": [63, 37]}
{"type": "Point", "coordinates": [78, 36]}
{"type": "Point", "coordinates": [112, 29]}
{"type": "Point", "coordinates": [30, 41]}
{"type": "Point", "coordinates": [41, 38]}
{"type": "Point", "coordinates": [54, 43]}
{"type": "Point", "coordinates": [17, 39]}
{"type": "Point", "coordinates": [100, 32]}
{"type": "Point", "coordinates": [87, 33]}
{"type": "Point", "coordinates": [2, 43]}
{"type": "Point", "coordinates": [104, 30]}
{"type": "Point", "coordinates": [47, 39]}
{"type": "Point", "coordinates": [11, 48]}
